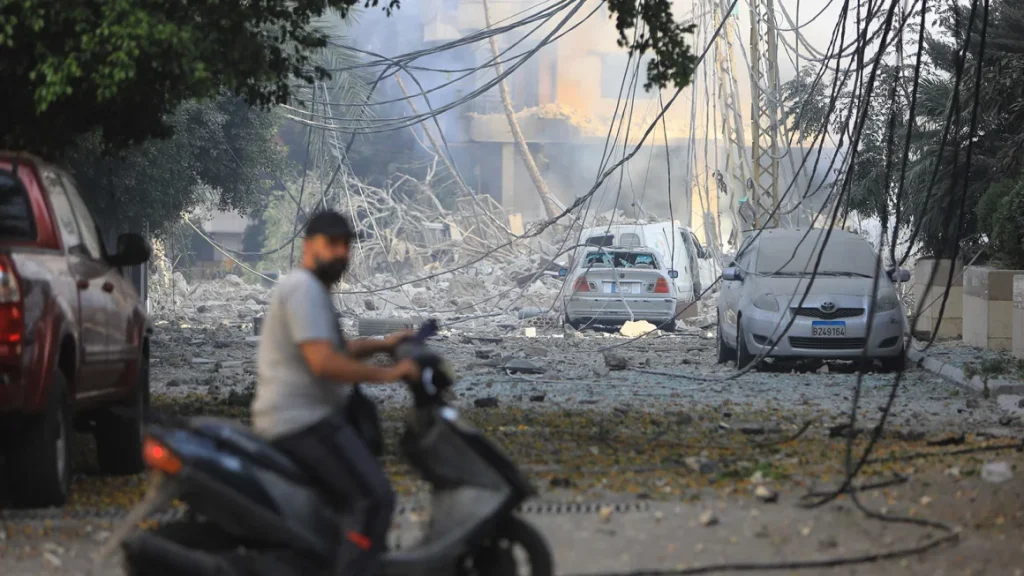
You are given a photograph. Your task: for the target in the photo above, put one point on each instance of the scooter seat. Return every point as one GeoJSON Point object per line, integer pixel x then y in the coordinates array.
{"type": "Point", "coordinates": [241, 441]}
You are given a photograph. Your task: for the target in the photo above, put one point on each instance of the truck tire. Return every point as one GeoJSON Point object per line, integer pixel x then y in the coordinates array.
{"type": "Point", "coordinates": [120, 430]}
{"type": "Point", "coordinates": [385, 326]}
{"type": "Point", "coordinates": [39, 458]}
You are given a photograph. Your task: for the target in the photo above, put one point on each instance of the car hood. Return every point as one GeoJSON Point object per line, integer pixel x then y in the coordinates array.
{"type": "Point", "coordinates": [823, 285]}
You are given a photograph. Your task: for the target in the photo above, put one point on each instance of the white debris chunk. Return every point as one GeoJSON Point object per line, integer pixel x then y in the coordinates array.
{"type": "Point", "coordinates": [637, 329]}
{"type": "Point", "coordinates": [996, 472]}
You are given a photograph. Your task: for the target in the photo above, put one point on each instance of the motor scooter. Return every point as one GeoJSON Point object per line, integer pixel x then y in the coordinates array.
{"type": "Point", "coordinates": [251, 511]}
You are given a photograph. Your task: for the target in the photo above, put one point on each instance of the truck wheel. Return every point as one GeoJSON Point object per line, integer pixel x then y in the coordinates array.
{"type": "Point", "coordinates": [39, 459]}
{"type": "Point", "coordinates": [120, 430]}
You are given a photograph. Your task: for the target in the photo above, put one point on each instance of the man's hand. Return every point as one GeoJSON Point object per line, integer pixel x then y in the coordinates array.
{"type": "Point", "coordinates": [407, 370]}
{"type": "Point", "coordinates": [391, 341]}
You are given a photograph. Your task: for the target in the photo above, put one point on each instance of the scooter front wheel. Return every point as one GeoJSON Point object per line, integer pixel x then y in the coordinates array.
{"type": "Point", "coordinates": [515, 546]}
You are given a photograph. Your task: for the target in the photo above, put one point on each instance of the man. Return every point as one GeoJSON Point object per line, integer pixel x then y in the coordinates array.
{"type": "Point", "coordinates": [306, 372]}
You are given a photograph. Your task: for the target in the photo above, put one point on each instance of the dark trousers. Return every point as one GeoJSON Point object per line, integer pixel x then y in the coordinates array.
{"type": "Point", "coordinates": [337, 459]}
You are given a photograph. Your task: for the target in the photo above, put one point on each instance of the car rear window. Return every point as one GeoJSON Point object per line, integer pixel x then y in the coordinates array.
{"type": "Point", "coordinates": [601, 241]}
{"type": "Point", "coordinates": [620, 260]}
{"type": "Point", "coordinates": [16, 219]}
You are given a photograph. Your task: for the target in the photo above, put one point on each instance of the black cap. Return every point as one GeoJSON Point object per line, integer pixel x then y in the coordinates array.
{"type": "Point", "coordinates": [331, 224]}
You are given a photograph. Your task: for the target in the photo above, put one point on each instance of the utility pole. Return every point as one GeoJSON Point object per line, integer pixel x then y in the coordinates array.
{"type": "Point", "coordinates": [731, 178]}
{"type": "Point", "coordinates": [764, 111]}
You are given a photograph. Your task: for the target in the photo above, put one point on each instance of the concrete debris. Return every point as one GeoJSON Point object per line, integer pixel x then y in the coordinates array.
{"type": "Point", "coordinates": [996, 472]}
{"type": "Point", "coordinates": [485, 353]}
{"type": "Point", "coordinates": [700, 465]}
{"type": "Point", "coordinates": [708, 518]}
{"type": "Point", "coordinates": [615, 361]}
{"type": "Point", "coordinates": [766, 494]}
{"type": "Point", "coordinates": [521, 366]}
{"type": "Point", "coordinates": [637, 329]}
{"type": "Point", "coordinates": [489, 402]}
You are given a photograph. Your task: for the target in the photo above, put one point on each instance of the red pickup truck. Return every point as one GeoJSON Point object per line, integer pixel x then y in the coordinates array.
{"type": "Point", "coordinates": [74, 338]}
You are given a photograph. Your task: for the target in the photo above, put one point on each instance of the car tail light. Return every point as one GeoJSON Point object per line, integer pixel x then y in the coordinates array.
{"type": "Point", "coordinates": [159, 457]}
{"type": "Point", "coordinates": [582, 285]}
{"type": "Point", "coordinates": [12, 319]}
{"type": "Point", "coordinates": [661, 286]}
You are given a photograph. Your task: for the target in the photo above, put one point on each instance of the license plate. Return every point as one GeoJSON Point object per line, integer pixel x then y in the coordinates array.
{"type": "Point", "coordinates": [828, 328]}
{"type": "Point", "coordinates": [625, 288]}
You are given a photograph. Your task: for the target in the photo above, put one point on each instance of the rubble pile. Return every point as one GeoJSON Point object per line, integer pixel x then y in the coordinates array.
{"type": "Point", "coordinates": [476, 295]}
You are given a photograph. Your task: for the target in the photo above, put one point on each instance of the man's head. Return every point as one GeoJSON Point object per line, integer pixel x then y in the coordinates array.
{"type": "Point", "coordinates": [325, 250]}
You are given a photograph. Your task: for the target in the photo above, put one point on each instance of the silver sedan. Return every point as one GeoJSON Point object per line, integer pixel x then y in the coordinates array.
{"type": "Point", "coordinates": [771, 305]}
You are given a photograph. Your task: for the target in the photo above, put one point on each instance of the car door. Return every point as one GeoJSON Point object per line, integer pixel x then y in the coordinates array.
{"type": "Point", "coordinates": [732, 292]}
{"type": "Point", "coordinates": [100, 288]}
{"type": "Point", "coordinates": [87, 273]}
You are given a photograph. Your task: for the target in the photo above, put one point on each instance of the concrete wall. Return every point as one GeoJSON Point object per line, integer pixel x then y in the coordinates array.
{"type": "Point", "coordinates": [928, 305]}
{"type": "Point", "coordinates": [1018, 316]}
{"type": "Point", "coordinates": [988, 307]}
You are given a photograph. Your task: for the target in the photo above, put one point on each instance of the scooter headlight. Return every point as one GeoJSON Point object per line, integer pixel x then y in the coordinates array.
{"type": "Point", "coordinates": [767, 302]}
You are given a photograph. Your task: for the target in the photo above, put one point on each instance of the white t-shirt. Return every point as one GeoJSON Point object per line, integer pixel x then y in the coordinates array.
{"type": "Point", "coordinates": [289, 397]}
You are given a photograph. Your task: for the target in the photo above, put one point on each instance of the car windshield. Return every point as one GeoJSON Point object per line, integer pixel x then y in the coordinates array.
{"type": "Point", "coordinates": [620, 260]}
{"type": "Point", "coordinates": [797, 256]}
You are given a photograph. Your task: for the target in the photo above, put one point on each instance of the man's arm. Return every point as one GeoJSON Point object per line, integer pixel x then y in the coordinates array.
{"type": "Point", "coordinates": [324, 361]}
{"type": "Point", "coordinates": [365, 347]}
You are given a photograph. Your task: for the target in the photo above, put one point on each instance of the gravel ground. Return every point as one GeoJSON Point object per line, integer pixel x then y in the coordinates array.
{"type": "Point", "coordinates": [656, 420]}
{"type": "Point", "coordinates": [665, 372]}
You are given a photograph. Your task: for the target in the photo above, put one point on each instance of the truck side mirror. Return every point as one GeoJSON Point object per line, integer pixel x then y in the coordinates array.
{"type": "Point", "coordinates": [673, 274]}
{"type": "Point", "coordinates": [563, 272]}
{"type": "Point", "coordinates": [132, 250]}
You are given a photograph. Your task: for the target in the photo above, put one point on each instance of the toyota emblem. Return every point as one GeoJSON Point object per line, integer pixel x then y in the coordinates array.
{"type": "Point", "coordinates": [828, 307]}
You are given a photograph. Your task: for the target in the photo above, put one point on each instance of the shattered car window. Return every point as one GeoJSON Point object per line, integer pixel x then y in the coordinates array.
{"type": "Point", "coordinates": [597, 260]}
{"type": "Point", "coordinates": [796, 256]}
{"type": "Point", "coordinates": [621, 260]}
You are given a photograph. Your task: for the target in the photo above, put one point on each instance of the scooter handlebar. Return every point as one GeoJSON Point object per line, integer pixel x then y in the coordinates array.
{"type": "Point", "coordinates": [435, 373]}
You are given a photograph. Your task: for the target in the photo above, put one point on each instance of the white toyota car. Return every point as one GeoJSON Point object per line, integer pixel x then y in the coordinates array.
{"type": "Point", "coordinates": [762, 291]}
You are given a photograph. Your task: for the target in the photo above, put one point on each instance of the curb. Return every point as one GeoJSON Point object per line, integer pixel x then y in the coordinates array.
{"type": "Point", "coordinates": [955, 375]}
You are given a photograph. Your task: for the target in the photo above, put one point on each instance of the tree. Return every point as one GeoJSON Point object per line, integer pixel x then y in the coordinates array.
{"type": "Point", "coordinates": [937, 177]}
{"type": "Point", "coordinates": [122, 67]}
{"type": "Point", "coordinates": [221, 151]}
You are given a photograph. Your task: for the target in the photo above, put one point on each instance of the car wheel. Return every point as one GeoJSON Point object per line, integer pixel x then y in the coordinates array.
{"type": "Point", "coordinates": [120, 431]}
{"type": "Point", "coordinates": [743, 356]}
{"type": "Point", "coordinates": [725, 353]}
{"type": "Point", "coordinates": [39, 459]}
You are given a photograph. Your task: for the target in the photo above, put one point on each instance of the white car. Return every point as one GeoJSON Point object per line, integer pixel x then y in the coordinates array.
{"type": "Point", "coordinates": [762, 291]}
{"type": "Point", "coordinates": [611, 286]}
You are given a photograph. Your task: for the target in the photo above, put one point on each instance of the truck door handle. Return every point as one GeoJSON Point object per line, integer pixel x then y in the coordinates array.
{"type": "Point", "coordinates": [108, 286]}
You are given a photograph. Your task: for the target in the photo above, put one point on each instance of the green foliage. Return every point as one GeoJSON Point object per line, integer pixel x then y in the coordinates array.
{"type": "Point", "coordinates": [998, 143]}
{"type": "Point", "coordinates": [222, 151]}
{"type": "Point", "coordinates": [673, 61]}
{"type": "Point", "coordinates": [1006, 237]}
{"type": "Point", "coordinates": [991, 202]}
{"type": "Point", "coordinates": [123, 66]}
